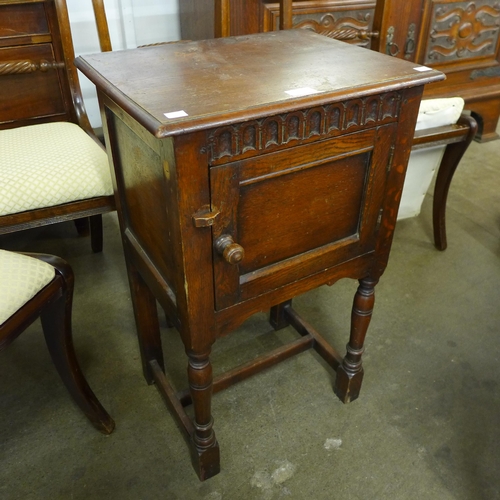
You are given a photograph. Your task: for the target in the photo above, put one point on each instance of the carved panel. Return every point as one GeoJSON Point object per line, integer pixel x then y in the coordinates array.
{"type": "Point", "coordinates": [353, 25]}
{"type": "Point", "coordinates": [463, 30]}
{"type": "Point", "coordinates": [255, 137]}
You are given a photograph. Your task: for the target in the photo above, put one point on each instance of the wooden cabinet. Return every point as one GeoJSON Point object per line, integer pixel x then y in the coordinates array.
{"type": "Point", "coordinates": [33, 73]}
{"type": "Point", "coordinates": [249, 170]}
{"type": "Point", "coordinates": [460, 38]}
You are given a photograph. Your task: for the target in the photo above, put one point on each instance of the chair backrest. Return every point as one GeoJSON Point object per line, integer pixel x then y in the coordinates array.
{"type": "Point", "coordinates": [102, 25]}
{"type": "Point", "coordinates": [39, 80]}
{"type": "Point", "coordinates": [222, 21]}
{"type": "Point", "coordinates": [345, 33]}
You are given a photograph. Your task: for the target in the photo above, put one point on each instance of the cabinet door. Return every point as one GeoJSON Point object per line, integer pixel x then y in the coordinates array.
{"type": "Point", "coordinates": [299, 211]}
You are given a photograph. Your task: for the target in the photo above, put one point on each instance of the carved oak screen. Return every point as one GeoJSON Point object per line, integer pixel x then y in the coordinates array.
{"type": "Point", "coordinates": [348, 20]}
{"type": "Point", "coordinates": [460, 38]}
{"type": "Point", "coordinates": [461, 31]}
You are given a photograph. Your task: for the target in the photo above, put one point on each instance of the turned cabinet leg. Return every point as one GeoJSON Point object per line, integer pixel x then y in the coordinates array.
{"type": "Point", "coordinates": [277, 315]}
{"type": "Point", "coordinates": [205, 449]}
{"type": "Point", "coordinates": [350, 372]}
{"type": "Point", "coordinates": [146, 319]}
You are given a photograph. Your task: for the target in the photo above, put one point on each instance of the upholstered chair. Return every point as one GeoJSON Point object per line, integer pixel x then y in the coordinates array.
{"type": "Point", "coordinates": [52, 166]}
{"type": "Point", "coordinates": [33, 286]}
{"type": "Point", "coordinates": [47, 167]}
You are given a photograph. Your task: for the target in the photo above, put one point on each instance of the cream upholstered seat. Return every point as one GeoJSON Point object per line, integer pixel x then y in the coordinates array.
{"type": "Point", "coordinates": [424, 162]}
{"type": "Point", "coordinates": [439, 112]}
{"type": "Point", "coordinates": [21, 278]}
{"type": "Point", "coordinates": [36, 285]}
{"type": "Point", "coordinates": [50, 164]}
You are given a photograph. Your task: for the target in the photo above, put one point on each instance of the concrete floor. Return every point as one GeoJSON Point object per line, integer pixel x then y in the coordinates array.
{"type": "Point", "coordinates": [426, 426]}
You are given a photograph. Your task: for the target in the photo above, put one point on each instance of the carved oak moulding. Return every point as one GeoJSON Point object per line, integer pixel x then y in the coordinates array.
{"type": "Point", "coordinates": [463, 30]}
{"type": "Point", "coordinates": [352, 26]}
{"type": "Point", "coordinates": [276, 132]}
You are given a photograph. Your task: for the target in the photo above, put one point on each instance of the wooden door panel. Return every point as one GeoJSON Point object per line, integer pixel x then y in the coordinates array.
{"type": "Point", "coordinates": [316, 211]}
{"type": "Point", "coordinates": [323, 205]}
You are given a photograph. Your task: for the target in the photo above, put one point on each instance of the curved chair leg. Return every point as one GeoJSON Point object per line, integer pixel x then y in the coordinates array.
{"type": "Point", "coordinates": [96, 233]}
{"type": "Point", "coordinates": [451, 158]}
{"type": "Point", "coordinates": [56, 323]}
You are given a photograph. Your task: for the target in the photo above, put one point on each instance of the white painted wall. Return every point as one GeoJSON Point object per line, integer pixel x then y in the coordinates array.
{"type": "Point", "coordinates": [131, 23]}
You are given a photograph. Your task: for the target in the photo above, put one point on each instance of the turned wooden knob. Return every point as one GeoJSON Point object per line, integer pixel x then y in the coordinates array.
{"type": "Point", "coordinates": [231, 251]}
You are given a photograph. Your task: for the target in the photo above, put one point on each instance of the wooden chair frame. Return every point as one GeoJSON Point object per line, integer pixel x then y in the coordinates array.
{"type": "Point", "coordinates": [53, 305]}
{"type": "Point", "coordinates": [61, 38]}
{"type": "Point", "coordinates": [457, 138]}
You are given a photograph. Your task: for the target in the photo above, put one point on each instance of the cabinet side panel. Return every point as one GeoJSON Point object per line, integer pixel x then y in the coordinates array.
{"type": "Point", "coordinates": [142, 175]}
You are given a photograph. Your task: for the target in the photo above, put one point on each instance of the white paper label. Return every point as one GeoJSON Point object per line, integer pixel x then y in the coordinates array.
{"type": "Point", "coordinates": [422, 68]}
{"type": "Point", "coordinates": [175, 114]}
{"type": "Point", "coordinates": [301, 92]}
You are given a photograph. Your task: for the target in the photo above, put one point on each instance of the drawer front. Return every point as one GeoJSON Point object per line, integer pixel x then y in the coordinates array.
{"type": "Point", "coordinates": [28, 95]}
{"type": "Point", "coordinates": [21, 20]}
{"type": "Point", "coordinates": [298, 212]}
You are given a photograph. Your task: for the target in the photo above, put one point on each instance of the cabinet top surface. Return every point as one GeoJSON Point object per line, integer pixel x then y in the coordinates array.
{"type": "Point", "coordinates": [222, 81]}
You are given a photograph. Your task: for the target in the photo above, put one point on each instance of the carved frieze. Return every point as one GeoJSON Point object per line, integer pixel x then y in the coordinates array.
{"type": "Point", "coordinates": [257, 136]}
{"type": "Point", "coordinates": [351, 25]}
{"type": "Point", "coordinates": [463, 30]}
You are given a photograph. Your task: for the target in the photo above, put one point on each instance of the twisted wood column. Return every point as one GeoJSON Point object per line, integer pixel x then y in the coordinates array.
{"type": "Point", "coordinates": [27, 66]}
